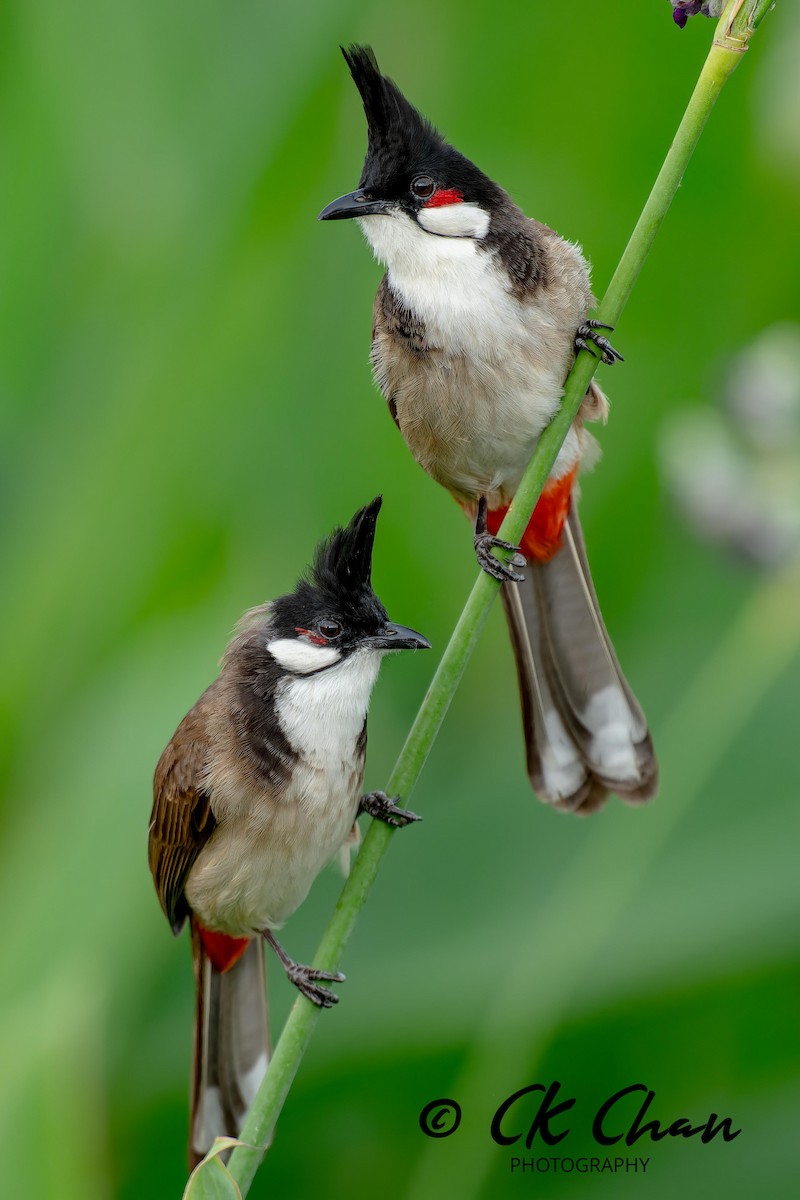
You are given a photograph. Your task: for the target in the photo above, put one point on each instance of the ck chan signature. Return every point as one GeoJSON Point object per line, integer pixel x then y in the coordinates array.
{"type": "Point", "coordinates": [626, 1116]}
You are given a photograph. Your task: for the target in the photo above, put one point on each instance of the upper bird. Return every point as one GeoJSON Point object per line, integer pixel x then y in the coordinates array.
{"type": "Point", "coordinates": [475, 326]}
{"type": "Point", "coordinates": [257, 790]}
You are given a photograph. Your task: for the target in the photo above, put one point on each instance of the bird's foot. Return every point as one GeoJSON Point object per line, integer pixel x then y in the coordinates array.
{"type": "Point", "coordinates": [586, 334]}
{"type": "Point", "coordinates": [306, 979]}
{"type": "Point", "coordinates": [484, 542]}
{"type": "Point", "coordinates": [383, 808]}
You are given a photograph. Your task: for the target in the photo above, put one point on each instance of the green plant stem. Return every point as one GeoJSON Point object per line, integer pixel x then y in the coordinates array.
{"type": "Point", "coordinates": [722, 60]}
{"type": "Point", "coordinates": [740, 20]}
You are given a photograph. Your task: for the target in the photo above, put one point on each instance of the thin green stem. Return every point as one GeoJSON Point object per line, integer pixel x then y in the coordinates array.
{"type": "Point", "coordinates": [721, 62]}
{"type": "Point", "coordinates": [740, 20]}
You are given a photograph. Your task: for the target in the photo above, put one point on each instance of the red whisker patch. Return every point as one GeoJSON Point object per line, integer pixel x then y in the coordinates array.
{"type": "Point", "coordinates": [444, 196]}
{"type": "Point", "coordinates": [311, 637]}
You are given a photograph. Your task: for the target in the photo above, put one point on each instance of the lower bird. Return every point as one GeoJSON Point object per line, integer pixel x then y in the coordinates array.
{"type": "Point", "coordinates": [474, 328]}
{"type": "Point", "coordinates": [258, 789]}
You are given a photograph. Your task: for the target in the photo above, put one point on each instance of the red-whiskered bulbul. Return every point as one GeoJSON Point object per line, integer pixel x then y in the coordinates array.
{"type": "Point", "coordinates": [475, 326]}
{"type": "Point", "coordinates": [258, 789]}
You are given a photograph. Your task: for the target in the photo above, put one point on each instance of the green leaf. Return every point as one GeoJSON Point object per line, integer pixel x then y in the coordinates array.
{"type": "Point", "coordinates": [211, 1179]}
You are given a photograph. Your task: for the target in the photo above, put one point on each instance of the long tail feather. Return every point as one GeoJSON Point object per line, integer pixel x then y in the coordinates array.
{"type": "Point", "coordinates": [232, 1047]}
{"type": "Point", "coordinates": [585, 734]}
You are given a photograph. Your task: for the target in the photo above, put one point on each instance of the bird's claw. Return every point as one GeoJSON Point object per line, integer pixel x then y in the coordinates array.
{"type": "Point", "coordinates": [305, 980]}
{"type": "Point", "coordinates": [485, 542]}
{"type": "Point", "coordinates": [586, 333]}
{"type": "Point", "coordinates": [383, 808]}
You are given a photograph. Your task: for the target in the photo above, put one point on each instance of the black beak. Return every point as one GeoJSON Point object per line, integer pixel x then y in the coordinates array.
{"type": "Point", "coordinates": [354, 204]}
{"type": "Point", "coordinates": [398, 637]}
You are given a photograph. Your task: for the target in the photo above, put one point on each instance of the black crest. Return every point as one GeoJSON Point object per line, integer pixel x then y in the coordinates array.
{"type": "Point", "coordinates": [343, 562]}
{"type": "Point", "coordinates": [402, 143]}
{"type": "Point", "coordinates": [339, 583]}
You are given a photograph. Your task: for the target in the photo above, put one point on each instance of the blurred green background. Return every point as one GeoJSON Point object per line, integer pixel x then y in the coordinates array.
{"type": "Point", "coordinates": [186, 408]}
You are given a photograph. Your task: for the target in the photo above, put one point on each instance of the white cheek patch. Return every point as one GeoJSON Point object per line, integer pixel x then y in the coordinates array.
{"type": "Point", "coordinates": [302, 657]}
{"type": "Point", "coordinates": [455, 220]}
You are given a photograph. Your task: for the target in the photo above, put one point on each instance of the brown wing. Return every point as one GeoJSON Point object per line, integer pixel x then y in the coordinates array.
{"type": "Point", "coordinates": [182, 821]}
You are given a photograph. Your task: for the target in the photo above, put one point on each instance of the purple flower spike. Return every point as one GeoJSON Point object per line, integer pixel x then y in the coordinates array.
{"type": "Point", "coordinates": [683, 9]}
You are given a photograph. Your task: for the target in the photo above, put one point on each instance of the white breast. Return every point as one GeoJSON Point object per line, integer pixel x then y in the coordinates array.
{"type": "Point", "coordinates": [322, 715]}
{"type": "Point", "coordinates": [261, 861]}
{"type": "Point", "coordinates": [472, 409]}
{"type": "Point", "coordinates": [451, 283]}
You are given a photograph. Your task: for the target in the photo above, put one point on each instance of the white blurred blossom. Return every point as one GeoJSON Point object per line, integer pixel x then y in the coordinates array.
{"type": "Point", "coordinates": [734, 470]}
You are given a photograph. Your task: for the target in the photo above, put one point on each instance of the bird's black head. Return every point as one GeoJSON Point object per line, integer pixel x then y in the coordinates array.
{"type": "Point", "coordinates": [409, 166]}
{"type": "Point", "coordinates": [333, 611]}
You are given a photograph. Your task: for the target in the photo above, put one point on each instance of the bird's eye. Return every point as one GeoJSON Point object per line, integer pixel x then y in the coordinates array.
{"type": "Point", "coordinates": [330, 629]}
{"type": "Point", "coordinates": [423, 187]}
